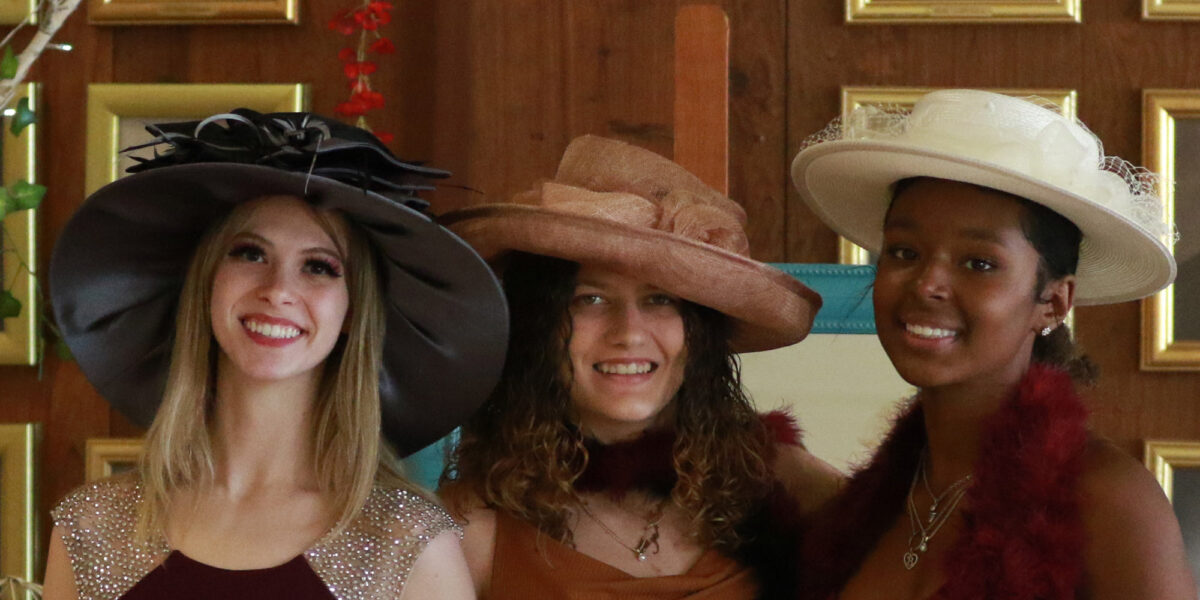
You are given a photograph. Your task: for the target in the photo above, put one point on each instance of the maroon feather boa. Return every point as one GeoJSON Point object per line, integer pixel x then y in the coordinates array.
{"type": "Point", "coordinates": [1023, 534]}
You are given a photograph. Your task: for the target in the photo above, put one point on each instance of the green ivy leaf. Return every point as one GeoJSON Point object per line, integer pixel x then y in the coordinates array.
{"type": "Point", "coordinates": [6, 204]}
{"type": "Point", "coordinates": [9, 305]}
{"type": "Point", "coordinates": [25, 196]}
{"type": "Point", "coordinates": [8, 64]}
{"type": "Point", "coordinates": [23, 118]}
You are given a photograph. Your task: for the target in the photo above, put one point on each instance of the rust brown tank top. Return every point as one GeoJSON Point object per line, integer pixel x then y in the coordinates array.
{"type": "Point", "coordinates": [525, 567]}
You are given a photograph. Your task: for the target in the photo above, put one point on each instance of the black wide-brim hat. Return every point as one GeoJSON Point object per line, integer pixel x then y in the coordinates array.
{"type": "Point", "coordinates": [120, 263]}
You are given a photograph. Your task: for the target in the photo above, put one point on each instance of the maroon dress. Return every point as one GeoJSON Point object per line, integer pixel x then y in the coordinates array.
{"type": "Point", "coordinates": [182, 578]}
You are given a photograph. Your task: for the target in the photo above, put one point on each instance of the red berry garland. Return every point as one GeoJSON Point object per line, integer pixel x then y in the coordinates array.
{"type": "Point", "coordinates": [365, 20]}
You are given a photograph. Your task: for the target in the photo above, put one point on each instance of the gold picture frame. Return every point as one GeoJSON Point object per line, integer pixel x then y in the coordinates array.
{"type": "Point", "coordinates": [18, 335]}
{"type": "Point", "coordinates": [19, 523]}
{"type": "Point", "coordinates": [854, 97]}
{"type": "Point", "coordinates": [105, 457]}
{"type": "Point", "coordinates": [1171, 10]}
{"type": "Point", "coordinates": [963, 11]}
{"type": "Point", "coordinates": [1163, 457]}
{"type": "Point", "coordinates": [16, 11]}
{"type": "Point", "coordinates": [1166, 345]}
{"type": "Point", "coordinates": [192, 12]}
{"type": "Point", "coordinates": [1176, 466]}
{"type": "Point", "coordinates": [115, 112]}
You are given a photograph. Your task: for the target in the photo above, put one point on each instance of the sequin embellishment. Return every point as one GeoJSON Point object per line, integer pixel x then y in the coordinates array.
{"type": "Point", "coordinates": [372, 557]}
{"type": "Point", "coordinates": [98, 521]}
{"type": "Point", "coordinates": [369, 559]}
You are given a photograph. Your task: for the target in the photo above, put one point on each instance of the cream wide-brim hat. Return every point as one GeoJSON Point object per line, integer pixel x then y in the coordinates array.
{"type": "Point", "coordinates": [623, 208]}
{"type": "Point", "coordinates": [847, 176]}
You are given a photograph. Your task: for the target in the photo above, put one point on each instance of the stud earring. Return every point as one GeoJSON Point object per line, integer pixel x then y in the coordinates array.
{"type": "Point", "coordinates": [1046, 330]}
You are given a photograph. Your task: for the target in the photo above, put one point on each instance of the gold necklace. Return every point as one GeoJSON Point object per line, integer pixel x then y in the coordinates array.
{"type": "Point", "coordinates": [924, 530]}
{"type": "Point", "coordinates": [649, 532]}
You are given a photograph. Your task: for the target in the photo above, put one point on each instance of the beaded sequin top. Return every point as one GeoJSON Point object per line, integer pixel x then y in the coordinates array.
{"type": "Point", "coordinates": [369, 559]}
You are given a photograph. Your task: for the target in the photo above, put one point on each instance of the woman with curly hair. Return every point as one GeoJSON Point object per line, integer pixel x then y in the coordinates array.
{"type": "Point", "coordinates": [619, 457]}
{"type": "Point", "coordinates": [991, 216]}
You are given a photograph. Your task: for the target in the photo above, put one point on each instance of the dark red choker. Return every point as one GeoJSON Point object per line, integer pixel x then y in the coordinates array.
{"type": "Point", "coordinates": [645, 464]}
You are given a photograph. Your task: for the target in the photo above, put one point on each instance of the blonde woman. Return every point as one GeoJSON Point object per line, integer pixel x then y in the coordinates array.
{"type": "Point", "coordinates": [284, 313]}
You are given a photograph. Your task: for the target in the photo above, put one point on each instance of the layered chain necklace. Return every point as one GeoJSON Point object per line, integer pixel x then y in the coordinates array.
{"type": "Point", "coordinates": [943, 506]}
{"type": "Point", "coordinates": [647, 544]}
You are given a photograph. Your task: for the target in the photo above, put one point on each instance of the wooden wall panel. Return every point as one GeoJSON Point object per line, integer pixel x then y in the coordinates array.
{"type": "Point", "coordinates": [540, 74]}
{"type": "Point", "coordinates": [61, 399]}
{"type": "Point", "coordinates": [1122, 56]}
{"type": "Point", "coordinates": [504, 121]}
{"type": "Point", "coordinates": [758, 150]}
{"type": "Point", "coordinates": [494, 89]}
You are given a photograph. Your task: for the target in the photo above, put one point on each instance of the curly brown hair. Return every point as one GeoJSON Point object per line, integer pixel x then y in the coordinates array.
{"type": "Point", "coordinates": [522, 454]}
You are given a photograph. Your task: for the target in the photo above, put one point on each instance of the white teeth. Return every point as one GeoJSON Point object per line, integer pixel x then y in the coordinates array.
{"type": "Point", "coordinates": [928, 332]}
{"type": "Point", "coordinates": [272, 331]}
{"type": "Point", "coordinates": [624, 368]}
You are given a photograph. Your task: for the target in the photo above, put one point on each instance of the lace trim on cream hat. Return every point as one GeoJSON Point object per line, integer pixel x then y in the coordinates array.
{"type": "Point", "coordinates": [1022, 146]}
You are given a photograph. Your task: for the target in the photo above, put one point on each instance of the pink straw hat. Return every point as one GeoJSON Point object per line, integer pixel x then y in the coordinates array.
{"type": "Point", "coordinates": [627, 209]}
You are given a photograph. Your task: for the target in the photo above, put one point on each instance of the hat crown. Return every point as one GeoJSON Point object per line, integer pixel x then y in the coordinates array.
{"type": "Point", "coordinates": [612, 180]}
{"type": "Point", "coordinates": [1028, 136]}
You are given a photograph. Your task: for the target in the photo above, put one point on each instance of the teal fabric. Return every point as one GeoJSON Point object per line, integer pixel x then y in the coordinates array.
{"type": "Point", "coordinates": [425, 467]}
{"type": "Point", "coordinates": [845, 291]}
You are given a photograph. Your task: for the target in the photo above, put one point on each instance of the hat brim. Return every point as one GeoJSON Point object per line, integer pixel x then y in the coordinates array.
{"type": "Point", "coordinates": [769, 308]}
{"type": "Point", "coordinates": [120, 264]}
{"type": "Point", "coordinates": [848, 184]}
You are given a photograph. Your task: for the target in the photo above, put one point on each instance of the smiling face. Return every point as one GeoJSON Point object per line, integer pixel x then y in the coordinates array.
{"type": "Point", "coordinates": [279, 295]}
{"type": "Point", "coordinates": [627, 354]}
{"type": "Point", "coordinates": [955, 297]}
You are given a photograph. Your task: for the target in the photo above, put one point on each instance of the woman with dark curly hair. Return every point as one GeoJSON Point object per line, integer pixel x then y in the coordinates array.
{"type": "Point", "coordinates": [992, 216]}
{"type": "Point", "coordinates": [619, 456]}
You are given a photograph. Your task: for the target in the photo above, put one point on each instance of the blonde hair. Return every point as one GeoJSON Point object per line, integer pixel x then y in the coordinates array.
{"type": "Point", "coordinates": [348, 452]}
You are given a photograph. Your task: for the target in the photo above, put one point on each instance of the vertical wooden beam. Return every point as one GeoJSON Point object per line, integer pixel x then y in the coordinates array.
{"type": "Point", "coordinates": [702, 93]}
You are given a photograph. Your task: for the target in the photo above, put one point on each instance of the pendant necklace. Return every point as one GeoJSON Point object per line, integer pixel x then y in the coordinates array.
{"type": "Point", "coordinates": [647, 544]}
{"type": "Point", "coordinates": [940, 510]}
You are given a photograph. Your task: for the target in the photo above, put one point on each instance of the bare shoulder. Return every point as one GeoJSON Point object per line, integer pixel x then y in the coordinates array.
{"type": "Point", "coordinates": [808, 479]}
{"type": "Point", "coordinates": [59, 583]}
{"type": "Point", "coordinates": [1115, 484]}
{"type": "Point", "coordinates": [479, 531]}
{"type": "Point", "coordinates": [1135, 549]}
{"type": "Point", "coordinates": [440, 571]}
